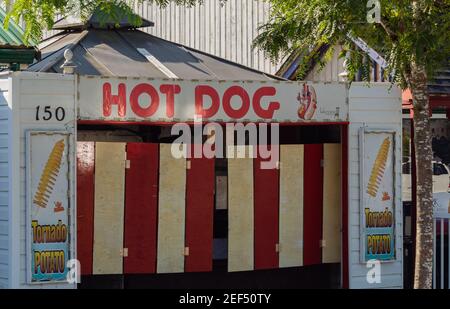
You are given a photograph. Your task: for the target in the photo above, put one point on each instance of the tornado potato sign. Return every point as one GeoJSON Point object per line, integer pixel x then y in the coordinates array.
{"type": "Point", "coordinates": [48, 205]}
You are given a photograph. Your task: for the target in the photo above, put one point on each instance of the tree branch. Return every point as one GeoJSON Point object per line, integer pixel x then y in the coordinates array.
{"type": "Point", "coordinates": [390, 33]}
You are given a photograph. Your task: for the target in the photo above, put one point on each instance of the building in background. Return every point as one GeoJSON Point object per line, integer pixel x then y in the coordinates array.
{"type": "Point", "coordinates": [14, 53]}
{"type": "Point", "coordinates": [226, 31]}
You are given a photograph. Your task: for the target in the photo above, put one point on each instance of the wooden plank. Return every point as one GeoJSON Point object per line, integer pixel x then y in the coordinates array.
{"type": "Point", "coordinates": [109, 207]}
{"type": "Point", "coordinates": [331, 252]}
{"type": "Point", "coordinates": [291, 205]}
{"type": "Point", "coordinates": [47, 86]}
{"type": "Point", "coordinates": [141, 208]}
{"type": "Point", "coordinates": [240, 214]}
{"type": "Point", "coordinates": [266, 194]}
{"type": "Point", "coordinates": [85, 205]}
{"type": "Point", "coordinates": [171, 212]}
{"type": "Point", "coordinates": [313, 185]}
{"type": "Point", "coordinates": [199, 214]}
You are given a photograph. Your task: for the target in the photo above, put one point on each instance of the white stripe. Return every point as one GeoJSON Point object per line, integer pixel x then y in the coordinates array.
{"type": "Point", "coordinates": [171, 211]}
{"type": "Point", "coordinates": [240, 213]}
{"type": "Point", "coordinates": [291, 206]}
{"type": "Point", "coordinates": [109, 208]}
{"type": "Point", "coordinates": [156, 63]}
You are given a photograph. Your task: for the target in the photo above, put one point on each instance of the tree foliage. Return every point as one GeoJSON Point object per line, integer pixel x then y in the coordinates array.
{"type": "Point", "coordinates": [303, 25]}
{"type": "Point", "coordinates": [40, 15]}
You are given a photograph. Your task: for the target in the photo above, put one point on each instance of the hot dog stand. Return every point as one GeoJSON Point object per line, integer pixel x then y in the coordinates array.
{"type": "Point", "coordinates": [89, 180]}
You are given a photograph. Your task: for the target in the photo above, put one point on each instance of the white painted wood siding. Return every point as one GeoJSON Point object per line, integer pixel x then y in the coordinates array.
{"type": "Point", "coordinates": [28, 89]}
{"type": "Point", "coordinates": [335, 66]}
{"type": "Point", "coordinates": [375, 107]}
{"type": "Point", "coordinates": [4, 183]}
{"type": "Point", "coordinates": [331, 71]}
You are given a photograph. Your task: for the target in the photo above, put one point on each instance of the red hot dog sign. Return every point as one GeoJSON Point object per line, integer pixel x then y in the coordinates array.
{"type": "Point", "coordinates": [152, 100]}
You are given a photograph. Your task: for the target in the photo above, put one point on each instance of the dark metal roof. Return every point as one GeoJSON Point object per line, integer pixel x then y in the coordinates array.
{"type": "Point", "coordinates": [440, 85]}
{"type": "Point", "coordinates": [114, 52]}
{"type": "Point", "coordinates": [101, 19]}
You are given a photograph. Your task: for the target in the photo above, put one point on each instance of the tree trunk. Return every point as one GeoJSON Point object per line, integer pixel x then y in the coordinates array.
{"type": "Point", "coordinates": [423, 276]}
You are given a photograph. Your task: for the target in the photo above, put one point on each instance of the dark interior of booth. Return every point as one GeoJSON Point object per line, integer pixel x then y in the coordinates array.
{"type": "Point", "coordinates": [321, 275]}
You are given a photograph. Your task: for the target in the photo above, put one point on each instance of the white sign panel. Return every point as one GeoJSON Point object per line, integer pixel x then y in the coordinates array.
{"type": "Point", "coordinates": [152, 100]}
{"type": "Point", "coordinates": [377, 195]}
{"type": "Point", "coordinates": [48, 195]}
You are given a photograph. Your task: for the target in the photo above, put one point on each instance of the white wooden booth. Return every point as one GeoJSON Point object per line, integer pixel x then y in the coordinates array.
{"type": "Point", "coordinates": [33, 105]}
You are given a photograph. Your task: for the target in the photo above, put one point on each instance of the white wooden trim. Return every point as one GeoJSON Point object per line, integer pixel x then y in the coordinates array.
{"type": "Point", "coordinates": [14, 182]}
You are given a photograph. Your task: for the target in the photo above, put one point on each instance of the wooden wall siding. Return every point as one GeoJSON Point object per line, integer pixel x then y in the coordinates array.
{"type": "Point", "coordinates": [225, 31]}
{"type": "Point", "coordinates": [5, 193]}
{"type": "Point", "coordinates": [240, 214]}
{"type": "Point", "coordinates": [376, 106]}
{"type": "Point", "coordinates": [30, 88]}
{"type": "Point", "coordinates": [141, 208]}
{"type": "Point", "coordinates": [85, 204]}
{"type": "Point", "coordinates": [171, 212]}
{"type": "Point", "coordinates": [266, 188]}
{"type": "Point", "coordinates": [199, 214]}
{"type": "Point", "coordinates": [331, 251]}
{"type": "Point", "coordinates": [291, 205]}
{"type": "Point", "coordinates": [109, 208]}
{"type": "Point", "coordinates": [331, 71]}
{"type": "Point", "coordinates": [313, 190]}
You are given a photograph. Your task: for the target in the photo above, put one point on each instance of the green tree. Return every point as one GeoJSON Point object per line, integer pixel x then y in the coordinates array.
{"type": "Point", "coordinates": [413, 35]}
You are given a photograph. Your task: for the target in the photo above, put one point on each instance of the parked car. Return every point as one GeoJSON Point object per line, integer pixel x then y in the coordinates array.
{"type": "Point", "coordinates": [441, 179]}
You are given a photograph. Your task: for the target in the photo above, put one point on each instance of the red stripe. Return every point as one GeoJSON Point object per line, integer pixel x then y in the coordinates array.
{"type": "Point", "coordinates": [199, 214]}
{"type": "Point", "coordinates": [85, 204]}
{"type": "Point", "coordinates": [313, 204]}
{"type": "Point", "coordinates": [344, 182]}
{"type": "Point", "coordinates": [266, 196]}
{"type": "Point", "coordinates": [141, 202]}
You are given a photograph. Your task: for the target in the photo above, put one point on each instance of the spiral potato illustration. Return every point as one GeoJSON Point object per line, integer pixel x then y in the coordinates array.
{"type": "Point", "coordinates": [378, 168]}
{"type": "Point", "coordinates": [49, 174]}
